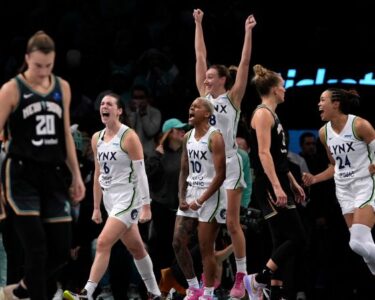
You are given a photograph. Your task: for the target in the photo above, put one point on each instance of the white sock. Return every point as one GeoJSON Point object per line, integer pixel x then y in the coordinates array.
{"type": "Point", "coordinates": [209, 291]}
{"type": "Point", "coordinates": [371, 266]}
{"type": "Point", "coordinates": [361, 240]}
{"type": "Point", "coordinates": [193, 282]}
{"type": "Point", "coordinates": [145, 269]}
{"type": "Point", "coordinates": [90, 287]}
{"type": "Point", "coordinates": [241, 265]}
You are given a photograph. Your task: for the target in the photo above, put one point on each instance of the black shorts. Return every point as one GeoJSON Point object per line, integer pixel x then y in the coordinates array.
{"type": "Point", "coordinates": [263, 190]}
{"type": "Point", "coordinates": [36, 189]}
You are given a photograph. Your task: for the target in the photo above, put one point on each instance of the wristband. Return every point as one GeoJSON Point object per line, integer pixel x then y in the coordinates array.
{"type": "Point", "coordinates": [196, 202]}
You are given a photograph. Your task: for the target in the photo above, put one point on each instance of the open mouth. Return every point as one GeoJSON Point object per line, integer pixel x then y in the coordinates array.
{"type": "Point", "coordinates": [191, 116]}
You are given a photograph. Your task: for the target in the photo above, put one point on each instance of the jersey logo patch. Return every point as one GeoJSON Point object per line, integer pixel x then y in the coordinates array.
{"type": "Point", "coordinates": [37, 143]}
{"type": "Point", "coordinates": [27, 96]}
{"type": "Point", "coordinates": [57, 96]}
{"type": "Point", "coordinates": [223, 213]}
{"type": "Point", "coordinates": [134, 214]}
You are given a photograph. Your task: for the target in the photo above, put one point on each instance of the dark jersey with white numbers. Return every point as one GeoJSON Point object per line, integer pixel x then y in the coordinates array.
{"type": "Point", "coordinates": [36, 126]}
{"type": "Point", "coordinates": [278, 147]}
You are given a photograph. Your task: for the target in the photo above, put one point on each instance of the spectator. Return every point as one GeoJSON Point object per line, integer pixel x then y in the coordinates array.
{"type": "Point", "coordinates": [144, 118]}
{"type": "Point", "coordinates": [163, 169]}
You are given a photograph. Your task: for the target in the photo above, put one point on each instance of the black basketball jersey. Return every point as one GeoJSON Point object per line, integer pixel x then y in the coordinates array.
{"type": "Point", "coordinates": [36, 126]}
{"type": "Point", "coordinates": [278, 149]}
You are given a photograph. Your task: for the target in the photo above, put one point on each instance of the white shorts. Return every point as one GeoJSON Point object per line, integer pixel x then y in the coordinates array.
{"type": "Point", "coordinates": [234, 173]}
{"type": "Point", "coordinates": [214, 208]}
{"type": "Point", "coordinates": [356, 194]}
{"type": "Point", "coordinates": [123, 204]}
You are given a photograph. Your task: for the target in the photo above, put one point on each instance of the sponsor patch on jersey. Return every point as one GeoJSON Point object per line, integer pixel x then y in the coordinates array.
{"type": "Point", "coordinates": [37, 143]}
{"type": "Point", "coordinates": [57, 96]}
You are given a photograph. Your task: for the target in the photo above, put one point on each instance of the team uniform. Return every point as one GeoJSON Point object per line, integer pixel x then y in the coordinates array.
{"type": "Point", "coordinates": [355, 186]}
{"type": "Point", "coordinates": [34, 172]}
{"type": "Point", "coordinates": [262, 186]}
{"type": "Point", "coordinates": [225, 118]}
{"type": "Point", "coordinates": [118, 179]}
{"type": "Point", "coordinates": [201, 174]}
{"type": "Point", "coordinates": [286, 228]}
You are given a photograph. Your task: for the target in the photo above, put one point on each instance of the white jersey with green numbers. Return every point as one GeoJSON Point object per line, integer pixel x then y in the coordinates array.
{"type": "Point", "coordinates": [351, 155]}
{"type": "Point", "coordinates": [201, 166]}
{"type": "Point", "coordinates": [225, 118]}
{"type": "Point", "coordinates": [115, 165]}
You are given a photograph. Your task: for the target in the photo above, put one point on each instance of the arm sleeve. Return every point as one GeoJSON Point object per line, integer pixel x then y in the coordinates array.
{"type": "Point", "coordinates": [142, 182]}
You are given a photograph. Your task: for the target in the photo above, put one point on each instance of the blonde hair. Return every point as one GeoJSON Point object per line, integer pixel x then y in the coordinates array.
{"type": "Point", "coordinates": [264, 79]}
{"type": "Point", "coordinates": [40, 41]}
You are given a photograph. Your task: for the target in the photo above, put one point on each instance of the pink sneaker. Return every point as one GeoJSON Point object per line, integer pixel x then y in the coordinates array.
{"type": "Point", "coordinates": [193, 293]}
{"type": "Point", "coordinates": [238, 289]}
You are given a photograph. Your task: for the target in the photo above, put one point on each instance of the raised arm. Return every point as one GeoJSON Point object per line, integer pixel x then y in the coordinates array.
{"type": "Point", "coordinates": [239, 88]}
{"type": "Point", "coordinates": [200, 53]}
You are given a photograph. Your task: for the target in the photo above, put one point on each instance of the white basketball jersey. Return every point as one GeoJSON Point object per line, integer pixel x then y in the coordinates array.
{"type": "Point", "coordinates": [115, 165]}
{"type": "Point", "coordinates": [225, 118]}
{"type": "Point", "coordinates": [351, 155]}
{"type": "Point", "coordinates": [201, 167]}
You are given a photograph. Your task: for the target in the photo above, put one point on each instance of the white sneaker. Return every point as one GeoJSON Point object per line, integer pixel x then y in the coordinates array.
{"type": "Point", "coordinates": [253, 288]}
{"type": "Point", "coordinates": [301, 295]}
{"type": "Point", "coordinates": [266, 293]}
{"type": "Point", "coordinates": [133, 293]}
{"type": "Point", "coordinates": [58, 295]}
